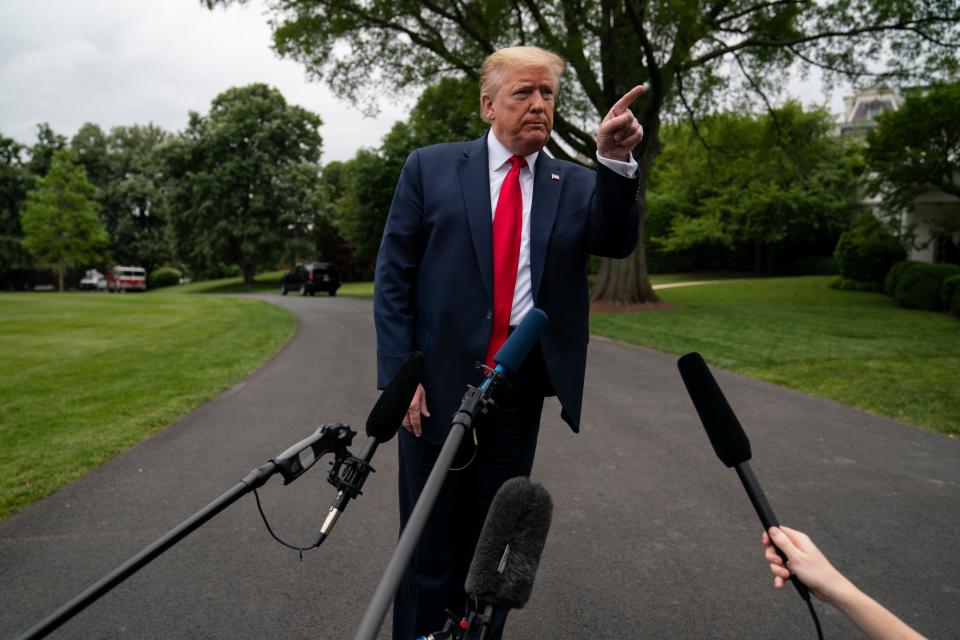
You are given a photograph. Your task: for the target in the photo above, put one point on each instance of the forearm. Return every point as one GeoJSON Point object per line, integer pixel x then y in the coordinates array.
{"type": "Point", "coordinates": [615, 218]}
{"type": "Point", "coordinates": [876, 622]}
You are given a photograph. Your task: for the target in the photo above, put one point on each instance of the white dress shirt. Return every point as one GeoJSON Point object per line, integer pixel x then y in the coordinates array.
{"type": "Point", "coordinates": [499, 164]}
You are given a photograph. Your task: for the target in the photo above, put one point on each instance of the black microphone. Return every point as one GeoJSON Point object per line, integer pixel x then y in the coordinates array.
{"type": "Point", "coordinates": [508, 552]}
{"type": "Point", "coordinates": [382, 424]}
{"type": "Point", "coordinates": [728, 439]}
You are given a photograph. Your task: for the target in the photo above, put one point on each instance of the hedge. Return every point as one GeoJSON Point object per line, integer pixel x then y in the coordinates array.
{"type": "Point", "coordinates": [893, 276]}
{"type": "Point", "coordinates": [948, 291]}
{"type": "Point", "coordinates": [866, 251]}
{"type": "Point", "coordinates": [919, 285]}
{"type": "Point", "coordinates": [164, 277]}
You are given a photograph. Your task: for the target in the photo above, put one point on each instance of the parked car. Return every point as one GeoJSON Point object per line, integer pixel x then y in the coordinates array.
{"type": "Point", "coordinates": [93, 280]}
{"type": "Point", "coordinates": [121, 278]}
{"type": "Point", "coordinates": [310, 278]}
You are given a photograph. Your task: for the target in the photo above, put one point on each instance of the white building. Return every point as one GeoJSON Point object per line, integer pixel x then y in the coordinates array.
{"type": "Point", "coordinates": [931, 212]}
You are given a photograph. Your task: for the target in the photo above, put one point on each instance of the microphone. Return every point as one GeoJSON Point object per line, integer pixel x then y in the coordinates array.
{"type": "Point", "coordinates": [728, 439]}
{"type": "Point", "coordinates": [382, 424]}
{"type": "Point", "coordinates": [514, 351]}
{"type": "Point", "coordinates": [508, 552]}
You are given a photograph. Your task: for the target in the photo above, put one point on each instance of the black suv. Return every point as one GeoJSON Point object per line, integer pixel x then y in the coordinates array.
{"type": "Point", "coordinates": [310, 278]}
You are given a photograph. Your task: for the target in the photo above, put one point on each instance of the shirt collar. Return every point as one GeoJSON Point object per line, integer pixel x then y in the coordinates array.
{"type": "Point", "coordinates": [498, 154]}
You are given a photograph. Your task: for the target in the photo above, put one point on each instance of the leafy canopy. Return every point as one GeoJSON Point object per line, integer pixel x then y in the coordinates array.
{"type": "Point", "coordinates": [244, 179]}
{"type": "Point", "coordinates": [916, 148]}
{"type": "Point", "coordinates": [59, 220]}
{"type": "Point", "coordinates": [735, 180]}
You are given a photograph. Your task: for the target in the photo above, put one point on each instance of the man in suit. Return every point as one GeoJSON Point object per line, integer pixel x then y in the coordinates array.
{"type": "Point", "coordinates": [478, 233]}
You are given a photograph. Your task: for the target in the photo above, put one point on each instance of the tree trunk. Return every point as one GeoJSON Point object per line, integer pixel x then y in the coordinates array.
{"type": "Point", "coordinates": [60, 269]}
{"type": "Point", "coordinates": [248, 273]}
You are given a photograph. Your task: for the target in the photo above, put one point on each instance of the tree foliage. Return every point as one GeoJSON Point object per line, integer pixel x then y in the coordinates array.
{"type": "Point", "coordinates": [244, 179]}
{"type": "Point", "coordinates": [15, 181]}
{"type": "Point", "coordinates": [916, 148]}
{"type": "Point", "coordinates": [735, 182]}
{"type": "Point", "coordinates": [867, 251]}
{"type": "Point", "coordinates": [59, 219]}
{"type": "Point", "coordinates": [126, 168]}
{"type": "Point", "coordinates": [690, 53]}
{"type": "Point", "coordinates": [363, 186]}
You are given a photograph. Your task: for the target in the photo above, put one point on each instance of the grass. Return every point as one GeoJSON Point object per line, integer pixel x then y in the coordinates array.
{"type": "Point", "coordinates": [268, 282]}
{"type": "Point", "coordinates": [855, 348]}
{"type": "Point", "coordinates": [84, 376]}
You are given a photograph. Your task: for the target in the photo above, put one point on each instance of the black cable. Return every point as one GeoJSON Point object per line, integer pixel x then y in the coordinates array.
{"type": "Point", "coordinates": [286, 544]}
{"type": "Point", "coordinates": [816, 621]}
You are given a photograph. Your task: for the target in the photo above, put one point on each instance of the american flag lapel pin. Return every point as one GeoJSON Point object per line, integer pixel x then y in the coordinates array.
{"type": "Point", "coordinates": [555, 176]}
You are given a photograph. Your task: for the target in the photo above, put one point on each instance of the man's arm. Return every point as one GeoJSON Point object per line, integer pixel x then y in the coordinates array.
{"type": "Point", "coordinates": [615, 216]}
{"type": "Point", "coordinates": [394, 308]}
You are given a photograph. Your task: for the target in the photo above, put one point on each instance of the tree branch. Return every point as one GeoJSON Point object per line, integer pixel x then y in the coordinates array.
{"type": "Point", "coordinates": [759, 90]}
{"type": "Point", "coordinates": [754, 9]}
{"type": "Point", "coordinates": [693, 116]}
{"type": "Point", "coordinates": [754, 42]}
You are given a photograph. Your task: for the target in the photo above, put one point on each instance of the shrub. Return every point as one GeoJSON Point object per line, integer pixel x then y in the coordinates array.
{"type": "Point", "coordinates": [919, 285]}
{"type": "Point", "coordinates": [866, 251]}
{"type": "Point", "coordinates": [948, 291]}
{"type": "Point", "coordinates": [816, 266]}
{"type": "Point", "coordinates": [893, 276]}
{"type": "Point", "coordinates": [164, 277]}
{"type": "Point", "coordinates": [845, 284]}
{"type": "Point", "coordinates": [955, 307]}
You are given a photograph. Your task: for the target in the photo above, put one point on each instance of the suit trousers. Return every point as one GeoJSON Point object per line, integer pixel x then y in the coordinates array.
{"type": "Point", "coordinates": [506, 444]}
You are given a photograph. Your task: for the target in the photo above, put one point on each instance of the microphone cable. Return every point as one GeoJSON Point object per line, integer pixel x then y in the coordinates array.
{"type": "Point", "coordinates": [816, 620]}
{"type": "Point", "coordinates": [296, 548]}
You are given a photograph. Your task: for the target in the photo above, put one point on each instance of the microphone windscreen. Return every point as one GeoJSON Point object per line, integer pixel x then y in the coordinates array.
{"type": "Point", "coordinates": [724, 430]}
{"type": "Point", "coordinates": [508, 552]}
{"type": "Point", "coordinates": [387, 414]}
{"type": "Point", "coordinates": [514, 351]}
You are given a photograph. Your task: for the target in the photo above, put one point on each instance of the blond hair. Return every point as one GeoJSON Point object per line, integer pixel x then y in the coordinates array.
{"type": "Point", "coordinates": [491, 71]}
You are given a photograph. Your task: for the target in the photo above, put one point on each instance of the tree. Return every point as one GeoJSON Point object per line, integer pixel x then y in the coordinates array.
{"type": "Point", "coordinates": [447, 111]}
{"type": "Point", "coordinates": [15, 181]}
{"type": "Point", "coordinates": [916, 148]}
{"type": "Point", "coordinates": [690, 54]}
{"type": "Point", "coordinates": [59, 220]}
{"type": "Point", "coordinates": [753, 182]}
{"type": "Point", "coordinates": [41, 153]}
{"type": "Point", "coordinates": [126, 169]}
{"type": "Point", "coordinates": [243, 179]}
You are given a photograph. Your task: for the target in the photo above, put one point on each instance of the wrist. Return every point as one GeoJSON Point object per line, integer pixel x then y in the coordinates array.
{"type": "Point", "coordinates": [619, 157]}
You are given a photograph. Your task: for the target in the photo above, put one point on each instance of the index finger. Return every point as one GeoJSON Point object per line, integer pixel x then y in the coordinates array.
{"type": "Point", "coordinates": [624, 103]}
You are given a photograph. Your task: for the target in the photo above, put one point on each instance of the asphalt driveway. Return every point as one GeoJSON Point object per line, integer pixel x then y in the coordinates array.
{"type": "Point", "coordinates": [652, 536]}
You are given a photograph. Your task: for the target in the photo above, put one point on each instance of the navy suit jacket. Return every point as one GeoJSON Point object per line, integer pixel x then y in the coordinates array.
{"type": "Point", "coordinates": [433, 289]}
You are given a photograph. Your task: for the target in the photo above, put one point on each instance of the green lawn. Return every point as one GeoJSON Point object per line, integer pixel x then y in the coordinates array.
{"type": "Point", "coordinates": [84, 376]}
{"type": "Point", "coordinates": [855, 348]}
{"type": "Point", "coordinates": [268, 282]}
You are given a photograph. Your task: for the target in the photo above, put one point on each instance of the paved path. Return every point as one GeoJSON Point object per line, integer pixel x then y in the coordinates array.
{"type": "Point", "coordinates": [652, 535]}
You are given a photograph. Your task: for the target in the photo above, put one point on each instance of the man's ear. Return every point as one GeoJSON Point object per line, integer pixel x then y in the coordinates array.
{"type": "Point", "coordinates": [486, 106]}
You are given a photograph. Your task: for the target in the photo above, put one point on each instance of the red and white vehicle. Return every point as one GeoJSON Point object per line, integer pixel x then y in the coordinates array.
{"type": "Point", "coordinates": [120, 278]}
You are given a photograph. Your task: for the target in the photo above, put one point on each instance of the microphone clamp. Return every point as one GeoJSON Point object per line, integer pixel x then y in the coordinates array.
{"type": "Point", "coordinates": [328, 438]}
{"type": "Point", "coordinates": [348, 474]}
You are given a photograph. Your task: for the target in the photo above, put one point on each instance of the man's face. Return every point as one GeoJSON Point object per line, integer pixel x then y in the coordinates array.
{"type": "Point", "coordinates": [521, 112]}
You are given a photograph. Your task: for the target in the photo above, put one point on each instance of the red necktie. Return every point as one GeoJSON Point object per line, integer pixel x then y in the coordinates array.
{"type": "Point", "coordinates": [507, 222]}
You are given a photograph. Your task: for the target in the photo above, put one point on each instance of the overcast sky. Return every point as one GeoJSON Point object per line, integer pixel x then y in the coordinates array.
{"type": "Point", "coordinates": [123, 62]}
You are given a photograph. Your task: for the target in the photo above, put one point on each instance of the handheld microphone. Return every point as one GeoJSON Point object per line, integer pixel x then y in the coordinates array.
{"type": "Point", "coordinates": [514, 351]}
{"type": "Point", "coordinates": [508, 552]}
{"type": "Point", "coordinates": [382, 424]}
{"type": "Point", "coordinates": [728, 439]}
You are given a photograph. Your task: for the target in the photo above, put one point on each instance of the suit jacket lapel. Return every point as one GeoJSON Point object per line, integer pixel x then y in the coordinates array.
{"type": "Point", "coordinates": [475, 187]}
{"type": "Point", "coordinates": [543, 211]}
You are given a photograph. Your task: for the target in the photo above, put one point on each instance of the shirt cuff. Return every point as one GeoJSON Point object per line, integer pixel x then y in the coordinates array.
{"type": "Point", "coordinates": [625, 169]}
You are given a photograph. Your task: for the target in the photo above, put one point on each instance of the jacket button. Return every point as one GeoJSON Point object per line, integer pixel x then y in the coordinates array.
{"type": "Point", "coordinates": [489, 315]}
